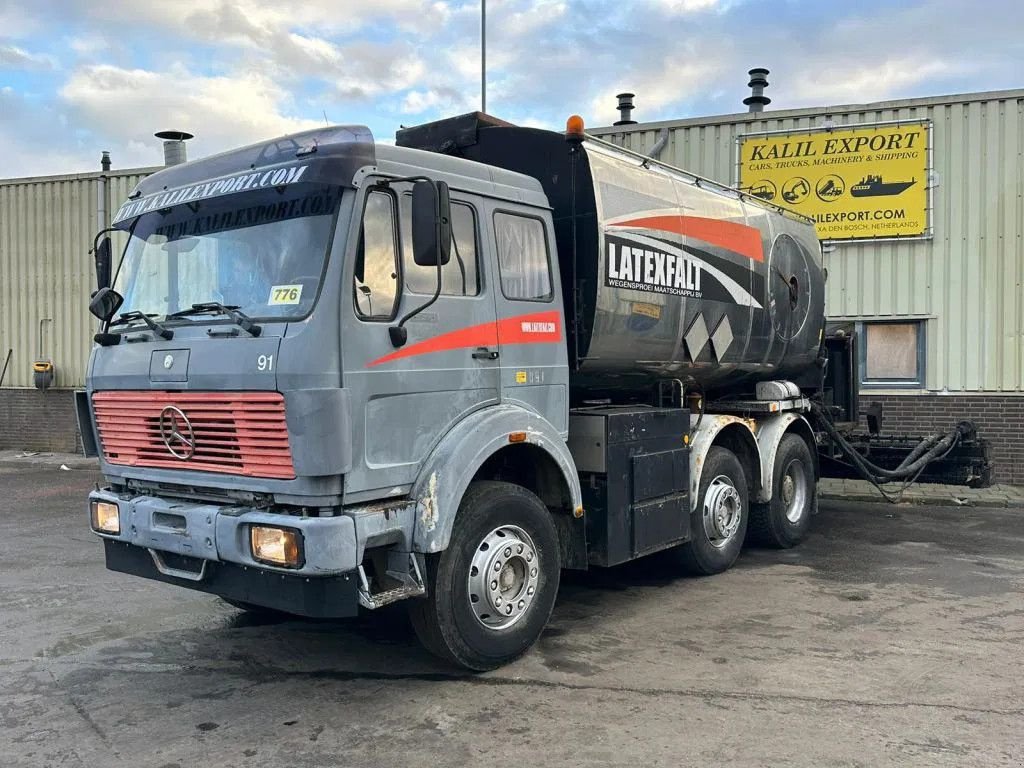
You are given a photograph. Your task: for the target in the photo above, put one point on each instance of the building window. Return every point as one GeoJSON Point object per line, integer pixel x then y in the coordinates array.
{"type": "Point", "coordinates": [523, 257]}
{"type": "Point", "coordinates": [892, 354]}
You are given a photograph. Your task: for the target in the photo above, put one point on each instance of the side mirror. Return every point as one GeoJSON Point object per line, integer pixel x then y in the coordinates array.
{"type": "Point", "coordinates": [105, 302]}
{"type": "Point", "coordinates": [431, 224]}
{"type": "Point", "coordinates": [103, 263]}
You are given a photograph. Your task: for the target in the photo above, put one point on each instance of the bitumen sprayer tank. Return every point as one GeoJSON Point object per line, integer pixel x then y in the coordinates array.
{"type": "Point", "coordinates": [671, 276]}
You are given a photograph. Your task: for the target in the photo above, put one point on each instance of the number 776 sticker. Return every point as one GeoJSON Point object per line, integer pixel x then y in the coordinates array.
{"type": "Point", "coordinates": [285, 294]}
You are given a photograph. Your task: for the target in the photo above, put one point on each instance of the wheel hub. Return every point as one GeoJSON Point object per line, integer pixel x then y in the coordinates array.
{"type": "Point", "coordinates": [723, 511]}
{"type": "Point", "coordinates": [503, 577]}
{"type": "Point", "coordinates": [787, 489]}
{"type": "Point", "coordinates": [794, 493]}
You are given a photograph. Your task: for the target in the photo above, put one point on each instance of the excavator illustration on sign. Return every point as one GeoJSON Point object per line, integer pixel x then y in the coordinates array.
{"type": "Point", "coordinates": [796, 191]}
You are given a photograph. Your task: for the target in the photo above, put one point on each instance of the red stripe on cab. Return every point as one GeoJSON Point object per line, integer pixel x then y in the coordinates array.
{"type": "Point", "coordinates": [535, 328]}
{"type": "Point", "coordinates": [736, 237]}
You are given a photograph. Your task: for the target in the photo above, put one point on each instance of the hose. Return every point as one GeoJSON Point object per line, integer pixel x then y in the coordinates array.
{"type": "Point", "coordinates": [932, 448]}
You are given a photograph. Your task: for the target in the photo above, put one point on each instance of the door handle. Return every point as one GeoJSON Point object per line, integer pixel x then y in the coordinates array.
{"type": "Point", "coordinates": [483, 353]}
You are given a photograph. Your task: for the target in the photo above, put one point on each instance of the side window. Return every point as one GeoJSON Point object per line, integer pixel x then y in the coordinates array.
{"type": "Point", "coordinates": [523, 257]}
{"type": "Point", "coordinates": [375, 287]}
{"type": "Point", "coordinates": [459, 277]}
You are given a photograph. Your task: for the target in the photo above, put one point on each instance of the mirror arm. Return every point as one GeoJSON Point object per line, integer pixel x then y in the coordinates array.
{"type": "Point", "coordinates": [397, 333]}
{"type": "Point", "coordinates": [101, 233]}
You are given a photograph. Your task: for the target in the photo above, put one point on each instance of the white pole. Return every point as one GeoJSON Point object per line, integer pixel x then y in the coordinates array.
{"type": "Point", "coordinates": [483, 55]}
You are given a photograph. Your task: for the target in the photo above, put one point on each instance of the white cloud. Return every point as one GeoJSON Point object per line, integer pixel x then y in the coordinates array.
{"type": "Point", "coordinates": [844, 83]}
{"type": "Point", "coordinates": [667, 83]}
{"type": "Point", "coordinates": [687, 6]}
{"type": "Point", "coordinates": [13, 57]}
{"type": "Point", "coordinates": [447, 99]}
{"type": "Point", "coordinates": [127, 106]}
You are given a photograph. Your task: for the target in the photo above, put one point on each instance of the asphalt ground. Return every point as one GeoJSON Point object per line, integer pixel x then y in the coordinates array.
{"type": "Point", "coordinates": [892, 636]}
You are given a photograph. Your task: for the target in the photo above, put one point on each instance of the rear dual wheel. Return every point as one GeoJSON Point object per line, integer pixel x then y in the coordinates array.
{"type": "Point", "coordinates": [491, 591]}
{"type": "Point", "coordinates": [783, 522]}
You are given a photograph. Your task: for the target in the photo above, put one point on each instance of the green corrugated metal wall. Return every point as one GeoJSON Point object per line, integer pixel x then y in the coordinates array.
{"type": "Point", "coordinates": [46, 272]}
{"type": "Point", "coordinates": [966, 281]}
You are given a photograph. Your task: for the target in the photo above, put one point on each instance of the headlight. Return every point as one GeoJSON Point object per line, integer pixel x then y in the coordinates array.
{"type": "Point", "coordinates": [277, 546]}
{"type": "Point", "coordinates": [105, 517]}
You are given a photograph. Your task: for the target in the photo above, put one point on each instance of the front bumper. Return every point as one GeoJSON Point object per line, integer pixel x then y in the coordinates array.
{"type": "Point", "coordinates": [325, 597]}
{"type": "Point", "coordinates": [206, 547]}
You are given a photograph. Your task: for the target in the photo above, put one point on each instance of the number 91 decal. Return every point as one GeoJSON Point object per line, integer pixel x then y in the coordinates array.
{"type": "Point", "coordinates": [285, 294]}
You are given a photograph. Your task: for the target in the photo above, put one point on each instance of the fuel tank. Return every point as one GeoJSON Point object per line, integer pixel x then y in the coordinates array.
{"type": "Point", "coordinates": [665, 275]}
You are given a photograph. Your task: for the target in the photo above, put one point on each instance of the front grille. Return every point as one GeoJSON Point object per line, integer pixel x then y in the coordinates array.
{"type": "Point", "coordinates": [237, 433]}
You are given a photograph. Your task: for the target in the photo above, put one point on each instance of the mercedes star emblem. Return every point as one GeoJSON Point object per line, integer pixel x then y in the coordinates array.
{"type": "Point", "coordinates": [168, 361]}
{"type": "Point", "coordinates": [177, 433]}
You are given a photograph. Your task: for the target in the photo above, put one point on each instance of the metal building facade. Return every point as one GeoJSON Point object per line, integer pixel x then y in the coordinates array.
{"type": "Point", "coordinates": [965, 282]}
{"type": "Point", "coordinates": [46, 229]}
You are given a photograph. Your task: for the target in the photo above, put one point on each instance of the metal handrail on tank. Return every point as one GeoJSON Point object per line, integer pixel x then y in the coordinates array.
{"type": "Point", "coordinates": [700, 181]}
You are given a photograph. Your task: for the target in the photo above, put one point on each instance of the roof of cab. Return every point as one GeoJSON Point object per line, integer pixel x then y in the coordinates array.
{"type": "Point", "coordinates": [465, 175]}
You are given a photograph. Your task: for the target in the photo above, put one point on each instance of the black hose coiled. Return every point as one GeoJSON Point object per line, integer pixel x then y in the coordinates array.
{"type": "Point", "coordinates": [933, 447]}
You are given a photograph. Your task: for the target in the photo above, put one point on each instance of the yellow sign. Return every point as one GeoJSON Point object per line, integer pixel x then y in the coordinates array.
{"type": "Point", "coordinates": [870, 181]}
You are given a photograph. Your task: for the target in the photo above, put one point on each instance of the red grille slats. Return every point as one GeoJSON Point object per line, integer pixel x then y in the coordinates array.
{"type": "Point", "coordinates": [240, 433]}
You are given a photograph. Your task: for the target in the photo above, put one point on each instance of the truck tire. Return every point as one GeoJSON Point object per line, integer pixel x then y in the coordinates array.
{"type": "Point", "coordinates": [491, 592]}
{"type": "Point", "coordinates": [783, 522]}
{"type": "Point", "coordinates": [719, 521]}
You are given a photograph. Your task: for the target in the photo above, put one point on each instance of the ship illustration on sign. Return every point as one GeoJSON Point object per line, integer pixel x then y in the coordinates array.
{"type": "Point", "coordinates": [873, 186]}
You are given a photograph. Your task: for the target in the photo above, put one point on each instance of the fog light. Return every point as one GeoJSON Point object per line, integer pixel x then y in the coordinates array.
{"type": "Point", "coordinates": [277, 546]}
{"type": "Point", "coordinates": [105, 517]}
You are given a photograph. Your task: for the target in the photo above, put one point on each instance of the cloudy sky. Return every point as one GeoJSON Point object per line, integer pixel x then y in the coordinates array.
{"type": "Point", "coordinates": [80, 76]}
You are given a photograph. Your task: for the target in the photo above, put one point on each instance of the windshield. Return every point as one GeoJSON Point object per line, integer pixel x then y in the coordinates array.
{"type": "Point", "coordinates": [263, 252]}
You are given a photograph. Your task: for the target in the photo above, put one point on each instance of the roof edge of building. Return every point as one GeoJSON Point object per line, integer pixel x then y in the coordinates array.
{"type": "Point", "coordinates": [840, 109]}
{"type": "Point", "coordinates": [80, 176]}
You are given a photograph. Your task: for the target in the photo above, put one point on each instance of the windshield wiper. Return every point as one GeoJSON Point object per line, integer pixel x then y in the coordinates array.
{"type": "Point", "coordinates": [147, 320]}
{"type": "Point", "coordinates": [240, 319]}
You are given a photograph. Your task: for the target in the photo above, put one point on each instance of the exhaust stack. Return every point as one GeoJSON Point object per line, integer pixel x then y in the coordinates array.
{"type": "Point", "coordinates": [174, 146]}
{"type": "Point", "coordinates": [625, 109]}
{"type": "Point", "coordinates": [757, 101]}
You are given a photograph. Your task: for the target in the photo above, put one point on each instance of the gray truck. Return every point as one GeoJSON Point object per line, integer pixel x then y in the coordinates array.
{"type": "Point", "coordinates": [334, 373]}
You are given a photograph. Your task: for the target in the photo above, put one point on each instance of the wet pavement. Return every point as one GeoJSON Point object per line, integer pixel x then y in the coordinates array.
{"type": "Point", "coordinates": [893, 636]}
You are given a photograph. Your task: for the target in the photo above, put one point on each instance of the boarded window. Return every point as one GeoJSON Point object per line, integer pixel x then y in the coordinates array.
{"type": "Point", "coordinates": [892, 352]}
{"type": "Point", "coordinates": [523, 257]}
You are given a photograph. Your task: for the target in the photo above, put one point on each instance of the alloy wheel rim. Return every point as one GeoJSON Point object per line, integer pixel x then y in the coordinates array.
{"type": "Point", "coordinates": [504, 576]}
{"type": "Point", "coordinates": [723, 511]}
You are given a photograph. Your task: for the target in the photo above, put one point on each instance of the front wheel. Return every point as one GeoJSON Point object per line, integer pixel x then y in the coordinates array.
{"type": "Point", "coordinates": [719, 521]}
{"type": "Point", "coordinates": [491, 592]}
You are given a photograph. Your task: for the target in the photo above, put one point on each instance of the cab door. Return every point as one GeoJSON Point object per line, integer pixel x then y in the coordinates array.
{"type": "Point", "coordinates": [405, 399]}
{"type": "Point", "coordinates": [531, 332]}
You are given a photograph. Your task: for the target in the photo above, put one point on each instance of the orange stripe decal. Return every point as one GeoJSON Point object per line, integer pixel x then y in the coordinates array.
{"type": "Point", "coordinates": [536, 328]}
{"type": "Point", "coordinates": [728, 234]}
